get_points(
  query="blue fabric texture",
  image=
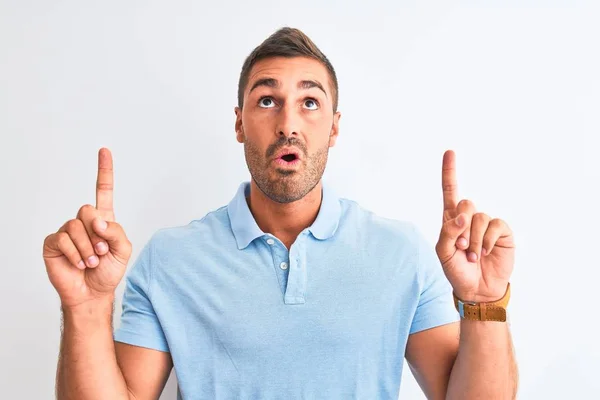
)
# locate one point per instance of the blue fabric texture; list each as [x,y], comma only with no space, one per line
[243,317]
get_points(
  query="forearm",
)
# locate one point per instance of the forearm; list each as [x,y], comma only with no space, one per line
[87,367]
[485,367]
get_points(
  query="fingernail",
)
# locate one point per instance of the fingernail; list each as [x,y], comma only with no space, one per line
[81,265]
[462,242]
[102,225]
[93,261]
[101,247]
[483,251]
[472,256]
[460,220]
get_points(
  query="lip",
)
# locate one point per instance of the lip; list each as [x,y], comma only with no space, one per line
[288,150]
[280,162]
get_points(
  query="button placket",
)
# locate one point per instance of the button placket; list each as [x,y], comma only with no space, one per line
[297,275]
[280,255]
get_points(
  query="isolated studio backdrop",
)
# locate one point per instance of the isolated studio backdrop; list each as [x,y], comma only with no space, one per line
[512,87]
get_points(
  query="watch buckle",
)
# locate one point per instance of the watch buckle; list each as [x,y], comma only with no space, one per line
[461,307]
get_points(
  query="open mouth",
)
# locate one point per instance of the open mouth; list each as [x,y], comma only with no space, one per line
[289,157]
[289,160]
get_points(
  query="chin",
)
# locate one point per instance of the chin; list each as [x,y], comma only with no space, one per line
[288,190]
[283,190]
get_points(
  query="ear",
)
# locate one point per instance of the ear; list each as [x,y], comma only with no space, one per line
[239,128]
[335,129]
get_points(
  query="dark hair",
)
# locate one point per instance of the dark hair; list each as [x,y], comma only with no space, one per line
[286,42]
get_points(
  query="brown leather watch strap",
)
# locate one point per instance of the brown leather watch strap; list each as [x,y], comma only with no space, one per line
[493,311]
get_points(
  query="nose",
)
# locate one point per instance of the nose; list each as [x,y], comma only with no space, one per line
[288,123]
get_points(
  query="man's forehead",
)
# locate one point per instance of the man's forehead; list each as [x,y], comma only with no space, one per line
[284,70]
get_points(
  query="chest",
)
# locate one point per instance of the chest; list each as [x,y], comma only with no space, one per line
[291,306]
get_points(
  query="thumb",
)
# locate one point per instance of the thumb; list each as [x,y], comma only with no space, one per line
[451,230]
[118,243]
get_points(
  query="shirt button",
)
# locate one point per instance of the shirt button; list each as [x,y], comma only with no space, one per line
[283,265]
[271,242]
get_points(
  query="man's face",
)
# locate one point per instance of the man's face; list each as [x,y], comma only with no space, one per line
[287,125]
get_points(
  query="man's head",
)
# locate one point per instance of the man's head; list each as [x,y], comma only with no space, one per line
[287,101]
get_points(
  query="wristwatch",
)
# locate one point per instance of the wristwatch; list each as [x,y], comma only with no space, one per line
[492,311]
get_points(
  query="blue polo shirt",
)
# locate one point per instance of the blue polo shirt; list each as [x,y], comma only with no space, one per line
[244,318]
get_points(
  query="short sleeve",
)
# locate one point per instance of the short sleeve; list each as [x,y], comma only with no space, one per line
[139,325]
[436,304]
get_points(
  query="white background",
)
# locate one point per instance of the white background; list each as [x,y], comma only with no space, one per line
[513,87]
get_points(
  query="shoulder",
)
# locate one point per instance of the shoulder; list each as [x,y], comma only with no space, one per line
[213,226]
[377,227]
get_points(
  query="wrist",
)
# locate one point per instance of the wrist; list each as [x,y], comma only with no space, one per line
[489,297]
[91,312]
[494,310]
[475,299]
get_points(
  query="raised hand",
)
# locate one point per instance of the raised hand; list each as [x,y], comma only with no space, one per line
[87,257]
[476,251]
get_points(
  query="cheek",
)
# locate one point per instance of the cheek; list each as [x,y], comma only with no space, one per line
[314,123]
[323,126]
[259,126]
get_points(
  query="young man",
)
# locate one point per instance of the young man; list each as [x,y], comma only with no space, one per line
[288,292]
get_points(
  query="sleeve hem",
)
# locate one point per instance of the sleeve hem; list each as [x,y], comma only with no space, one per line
[429,323]
[140,340]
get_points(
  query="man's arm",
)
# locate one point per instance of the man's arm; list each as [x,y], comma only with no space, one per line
[485,366]
[464,360]
[430,354]
[92,366]
[477,255]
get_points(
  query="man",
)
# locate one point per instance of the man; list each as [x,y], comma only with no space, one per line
[288,292]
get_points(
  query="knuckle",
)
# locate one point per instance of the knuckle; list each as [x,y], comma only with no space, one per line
[72,225]
[481,217]
[48,239]
[465,203]
[497,222]
[62,239]
[466,206]
[86,209]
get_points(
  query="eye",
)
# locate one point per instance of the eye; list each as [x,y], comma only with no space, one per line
[311,104]
[266,102]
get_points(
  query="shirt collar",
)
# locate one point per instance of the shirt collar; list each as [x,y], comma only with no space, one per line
[245,229]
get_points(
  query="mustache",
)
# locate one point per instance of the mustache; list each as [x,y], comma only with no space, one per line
[285,142]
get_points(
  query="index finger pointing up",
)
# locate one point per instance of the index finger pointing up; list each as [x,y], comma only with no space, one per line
[104,185]
[449,185]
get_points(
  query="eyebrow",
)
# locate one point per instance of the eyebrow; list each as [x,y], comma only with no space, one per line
[274,83]
[311,84]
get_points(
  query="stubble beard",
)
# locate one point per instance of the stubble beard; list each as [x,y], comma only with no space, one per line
[283,185]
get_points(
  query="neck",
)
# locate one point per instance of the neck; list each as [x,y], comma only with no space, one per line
[284,221]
